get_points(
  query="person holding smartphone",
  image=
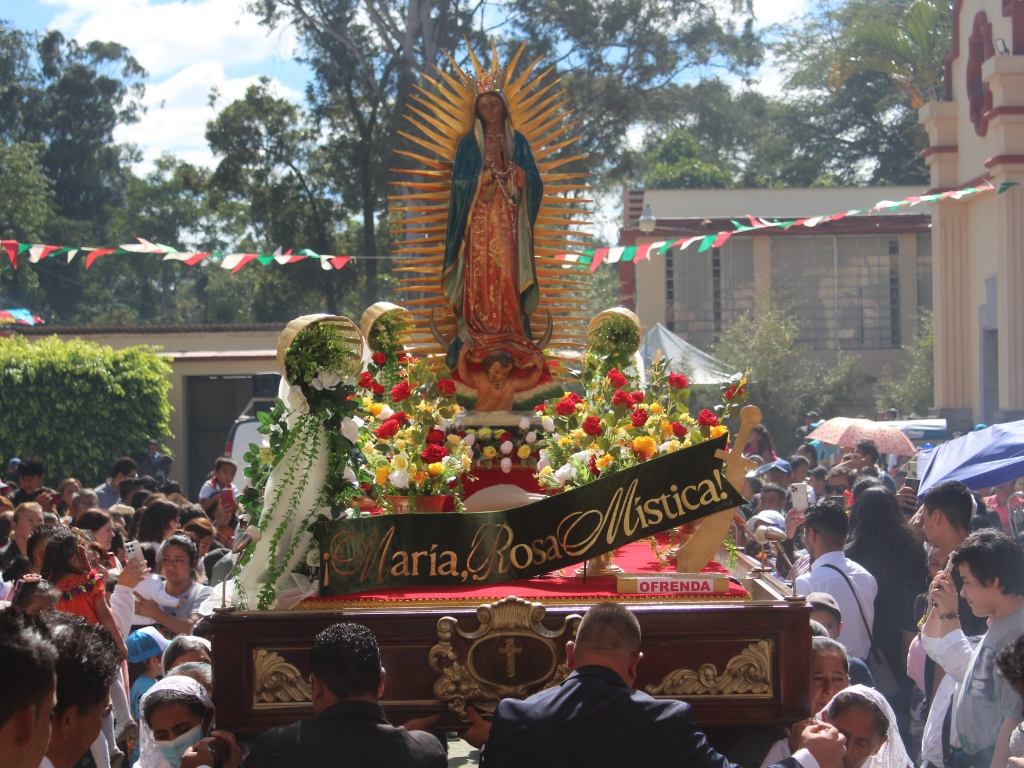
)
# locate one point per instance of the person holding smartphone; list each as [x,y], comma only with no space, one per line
[218,498]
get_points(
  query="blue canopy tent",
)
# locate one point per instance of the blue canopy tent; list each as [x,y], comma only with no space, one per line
[979,459]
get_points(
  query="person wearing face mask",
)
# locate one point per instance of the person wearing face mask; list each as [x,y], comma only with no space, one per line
[178,715]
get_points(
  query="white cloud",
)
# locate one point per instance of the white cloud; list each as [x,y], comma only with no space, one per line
[178,110]
[767,12]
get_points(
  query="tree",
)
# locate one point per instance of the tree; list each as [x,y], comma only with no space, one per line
[785,383]
[912,52]
[272,163]
[913,391]
[675,163]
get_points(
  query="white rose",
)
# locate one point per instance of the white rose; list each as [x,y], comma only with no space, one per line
[399,478]
[297,400]
[524,423]
[350,428]
[507,447]
[506,465]
[445,425]
[543,462]
[548,424]
[327,380]
[565,473]
[531,437]
[350,476]
[468,440]
[313,558]
[385,413]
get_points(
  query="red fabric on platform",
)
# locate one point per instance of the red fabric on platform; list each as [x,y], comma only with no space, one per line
[482,477]
[633,558]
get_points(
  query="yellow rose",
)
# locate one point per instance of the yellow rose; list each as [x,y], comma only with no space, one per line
[719,430]
[454,439]
[375,408]
[367,402]
[524,452]
[380,474]
[435,469]
[369,450]
[400,462]
[400,444]
[419,477]
[603,462]
[666,427]
[565,442]
[656,408]
[674,446]
[490,452]
[645,446]
[546,471]
[467,463]
[484,434]
[578,434]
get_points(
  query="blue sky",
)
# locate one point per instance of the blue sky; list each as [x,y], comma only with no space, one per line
[191,46]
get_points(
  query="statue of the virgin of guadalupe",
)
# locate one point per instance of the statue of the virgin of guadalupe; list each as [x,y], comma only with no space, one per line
[489,277]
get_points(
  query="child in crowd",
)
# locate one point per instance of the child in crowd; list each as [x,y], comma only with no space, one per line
[146,648]
[218,497]
[33,594]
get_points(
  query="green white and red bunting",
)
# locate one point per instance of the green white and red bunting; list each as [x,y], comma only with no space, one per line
[598,256]
[234,261]
[36,252]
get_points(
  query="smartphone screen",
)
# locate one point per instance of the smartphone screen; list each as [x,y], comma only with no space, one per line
[913,482]
[840,500]
[227,498]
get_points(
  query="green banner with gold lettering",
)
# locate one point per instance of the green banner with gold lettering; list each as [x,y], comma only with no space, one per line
[367,553]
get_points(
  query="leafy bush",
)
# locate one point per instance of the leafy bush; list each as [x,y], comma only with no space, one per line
[913,390]
[79,405]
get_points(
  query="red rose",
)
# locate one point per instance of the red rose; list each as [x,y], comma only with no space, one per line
[400,418]
[617,379]
[593,466]
[435,436]
[573,398]
[540,408]
[638,417]
[434,453]
[380,358]
[679,430]
[565,408]
[707,419]
[404,358]
[729,393]
[387,430]
[365,380]
[621,397]
[378,389]
[400,391]
[445,387]
[637,398]
[678,381]
[592,425]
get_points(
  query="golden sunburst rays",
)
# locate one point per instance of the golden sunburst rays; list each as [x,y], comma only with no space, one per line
[440,114]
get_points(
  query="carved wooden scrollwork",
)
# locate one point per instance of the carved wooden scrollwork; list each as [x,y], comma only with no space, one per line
[512,654]
[277,682]
[749,673]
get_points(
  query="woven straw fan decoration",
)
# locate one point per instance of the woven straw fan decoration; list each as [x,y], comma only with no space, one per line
[442,115]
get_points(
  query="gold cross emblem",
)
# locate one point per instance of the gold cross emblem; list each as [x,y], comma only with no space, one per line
[510,651]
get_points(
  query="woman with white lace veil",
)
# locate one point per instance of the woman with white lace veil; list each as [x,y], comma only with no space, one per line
[867,721]
[196,710]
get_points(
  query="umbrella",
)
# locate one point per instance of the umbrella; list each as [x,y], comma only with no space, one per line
[846,432]
[979,459]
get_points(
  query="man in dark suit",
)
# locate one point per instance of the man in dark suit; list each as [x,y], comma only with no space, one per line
[350,728]
[595,718]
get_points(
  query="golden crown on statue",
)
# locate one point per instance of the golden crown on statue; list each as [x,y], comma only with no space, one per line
[486,81]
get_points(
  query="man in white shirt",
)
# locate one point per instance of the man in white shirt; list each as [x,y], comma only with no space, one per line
[854,589]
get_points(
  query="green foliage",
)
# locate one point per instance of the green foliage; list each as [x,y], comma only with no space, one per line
[615,341]
[317,347]
[786,383]
[27,204]
[79,405]
[675,163]
[914,390]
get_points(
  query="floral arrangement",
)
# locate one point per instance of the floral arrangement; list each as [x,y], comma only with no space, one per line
[320,364]
[614,428]
[408,443]
[506,447]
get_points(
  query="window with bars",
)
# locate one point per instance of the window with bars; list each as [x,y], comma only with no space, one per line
[704,292]
[924,271]
[845,290]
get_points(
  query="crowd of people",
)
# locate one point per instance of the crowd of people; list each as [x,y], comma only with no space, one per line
[917,612]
